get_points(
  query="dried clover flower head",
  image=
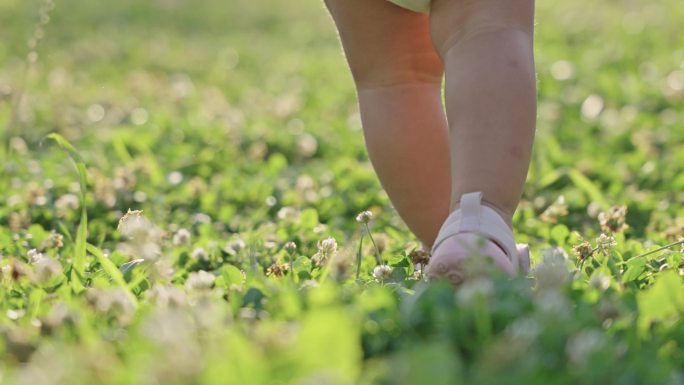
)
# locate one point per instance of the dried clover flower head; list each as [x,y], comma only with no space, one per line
[364,216]
[556,210]
[419,257]
[277,269]
[15,270]
[54,240]
[583,251]
[613,220]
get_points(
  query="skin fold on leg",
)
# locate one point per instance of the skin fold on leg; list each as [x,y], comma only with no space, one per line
[398,77]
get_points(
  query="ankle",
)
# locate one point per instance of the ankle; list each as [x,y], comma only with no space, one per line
[505,214]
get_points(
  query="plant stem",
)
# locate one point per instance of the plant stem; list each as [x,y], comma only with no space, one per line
[358,258]
[681,241]
[292,272]
[377,251]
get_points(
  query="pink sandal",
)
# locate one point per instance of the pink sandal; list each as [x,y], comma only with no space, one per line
[475,230]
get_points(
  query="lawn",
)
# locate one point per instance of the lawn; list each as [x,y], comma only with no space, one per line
[180,182]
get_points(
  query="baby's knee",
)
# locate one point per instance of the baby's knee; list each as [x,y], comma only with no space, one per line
[454,20]
[405,71]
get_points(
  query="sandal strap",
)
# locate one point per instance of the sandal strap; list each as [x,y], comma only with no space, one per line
[473,217]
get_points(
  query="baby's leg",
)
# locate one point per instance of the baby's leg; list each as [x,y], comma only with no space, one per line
[486,46]
[398,78]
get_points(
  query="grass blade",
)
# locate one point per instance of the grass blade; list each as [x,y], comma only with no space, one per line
[585,184]
[78,270]
[110,268]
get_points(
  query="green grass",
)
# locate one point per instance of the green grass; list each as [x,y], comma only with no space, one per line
[233,126]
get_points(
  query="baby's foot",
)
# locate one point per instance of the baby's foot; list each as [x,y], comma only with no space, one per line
[465,255]
[471,237]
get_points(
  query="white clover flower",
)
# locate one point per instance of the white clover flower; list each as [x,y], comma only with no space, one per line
[182,237]
[162,269]
[327,246]
[326,250]
[200,219]
[309,283]
[199,254]
[552,272]
[605,243]
[175,334]
[581,345]
[6,271]
[200,280]
[474,290]
[133,224]
[234,246]
[599,282]
[34,256]
[341,263]
[382,272]
[165,296]
[288,213]
[290,247]
[552,303]
[364,216]
[58,314]
[142,236]
[526,330]
[114,300]
[47,271]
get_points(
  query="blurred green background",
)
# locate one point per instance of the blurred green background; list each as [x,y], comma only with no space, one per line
[203,87]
